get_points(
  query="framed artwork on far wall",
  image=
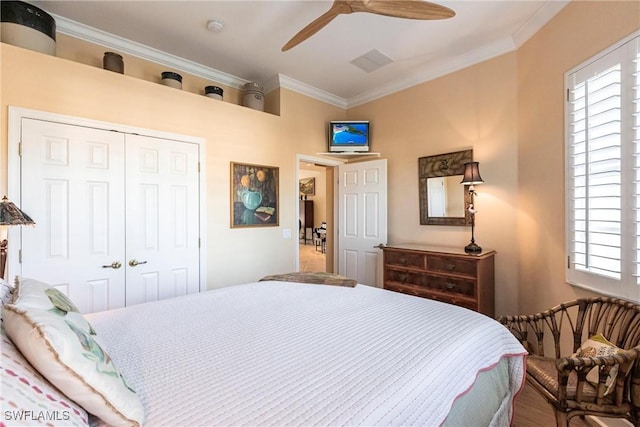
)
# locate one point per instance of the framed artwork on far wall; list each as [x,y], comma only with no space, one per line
[308,186]
[254,195]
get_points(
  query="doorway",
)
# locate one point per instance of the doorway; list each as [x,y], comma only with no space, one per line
[314,254]
[312,217]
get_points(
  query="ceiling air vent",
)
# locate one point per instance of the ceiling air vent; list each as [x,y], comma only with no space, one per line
[371,61]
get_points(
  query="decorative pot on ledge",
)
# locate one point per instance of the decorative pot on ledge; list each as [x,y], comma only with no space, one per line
[253,96]
[27,26]
[214,92]
[113,62]
[169,78]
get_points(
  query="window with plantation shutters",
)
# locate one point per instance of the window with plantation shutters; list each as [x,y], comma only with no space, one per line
[603,171]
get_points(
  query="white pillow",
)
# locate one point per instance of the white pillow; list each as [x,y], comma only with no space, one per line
[6,292]
[35,294]
[61,345]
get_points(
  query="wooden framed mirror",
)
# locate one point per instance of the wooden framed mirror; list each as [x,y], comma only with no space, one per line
[443,200]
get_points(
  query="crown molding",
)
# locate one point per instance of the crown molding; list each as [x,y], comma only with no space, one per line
[432,71]
[84,32]
[547,11]
[311,91]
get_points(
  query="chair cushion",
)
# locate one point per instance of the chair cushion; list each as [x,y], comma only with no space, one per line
[543,371]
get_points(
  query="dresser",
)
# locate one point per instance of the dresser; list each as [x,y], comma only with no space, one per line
[306,221]
[441,273]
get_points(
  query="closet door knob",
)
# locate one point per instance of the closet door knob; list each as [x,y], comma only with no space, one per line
[115,265]
[135,262]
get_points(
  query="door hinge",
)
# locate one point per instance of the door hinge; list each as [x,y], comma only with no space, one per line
[568,95]
[20,256]
[20,149]
[198,167]
[199,242]
[568,262]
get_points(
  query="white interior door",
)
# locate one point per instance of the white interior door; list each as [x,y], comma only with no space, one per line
[72,180]
[117,215]
[362,195]
[162,229]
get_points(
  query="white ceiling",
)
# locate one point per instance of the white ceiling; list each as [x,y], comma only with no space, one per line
[249,47]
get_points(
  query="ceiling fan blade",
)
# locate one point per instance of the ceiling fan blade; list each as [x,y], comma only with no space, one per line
[409,9]
[337,8]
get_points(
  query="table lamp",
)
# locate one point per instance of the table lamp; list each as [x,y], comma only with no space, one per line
[471,177]
[10,214]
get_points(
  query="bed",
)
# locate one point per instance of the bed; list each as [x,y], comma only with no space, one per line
[287,353]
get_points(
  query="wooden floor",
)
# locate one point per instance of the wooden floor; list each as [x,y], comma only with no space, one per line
[533,411]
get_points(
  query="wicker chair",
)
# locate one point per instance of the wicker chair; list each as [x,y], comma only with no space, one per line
[561,378]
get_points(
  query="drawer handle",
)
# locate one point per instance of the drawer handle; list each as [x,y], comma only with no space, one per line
[402,260]
[450,285]
[403,277]
[450,267]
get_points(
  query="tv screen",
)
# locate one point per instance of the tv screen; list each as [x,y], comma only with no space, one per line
[345,136]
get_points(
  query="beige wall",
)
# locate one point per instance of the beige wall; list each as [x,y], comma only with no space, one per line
[473,108]
[232,132]
[579,31]
[508,109]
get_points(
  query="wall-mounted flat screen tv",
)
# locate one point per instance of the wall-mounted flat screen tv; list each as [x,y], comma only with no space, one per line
[349,136]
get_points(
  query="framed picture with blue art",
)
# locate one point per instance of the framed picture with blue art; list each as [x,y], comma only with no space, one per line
[254,195]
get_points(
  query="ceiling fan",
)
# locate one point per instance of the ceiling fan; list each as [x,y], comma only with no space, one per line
[409,9]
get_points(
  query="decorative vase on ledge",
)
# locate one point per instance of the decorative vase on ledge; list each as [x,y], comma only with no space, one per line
[214,92]
[113,62]
[253,96]
[27,26]
[169,78]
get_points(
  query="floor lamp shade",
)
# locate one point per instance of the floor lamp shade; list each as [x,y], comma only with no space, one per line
[10,215]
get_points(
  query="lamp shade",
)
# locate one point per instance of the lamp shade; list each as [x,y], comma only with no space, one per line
[471,174]
[10,214]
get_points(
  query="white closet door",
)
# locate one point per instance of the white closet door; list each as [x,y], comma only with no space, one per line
[72,181]
[162,211]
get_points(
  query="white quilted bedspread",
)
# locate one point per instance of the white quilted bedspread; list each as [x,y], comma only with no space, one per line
[276,353]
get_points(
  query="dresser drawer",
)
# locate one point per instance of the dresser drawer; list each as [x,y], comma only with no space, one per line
[405,259]
[451,285]
[450,265]
[405,276]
